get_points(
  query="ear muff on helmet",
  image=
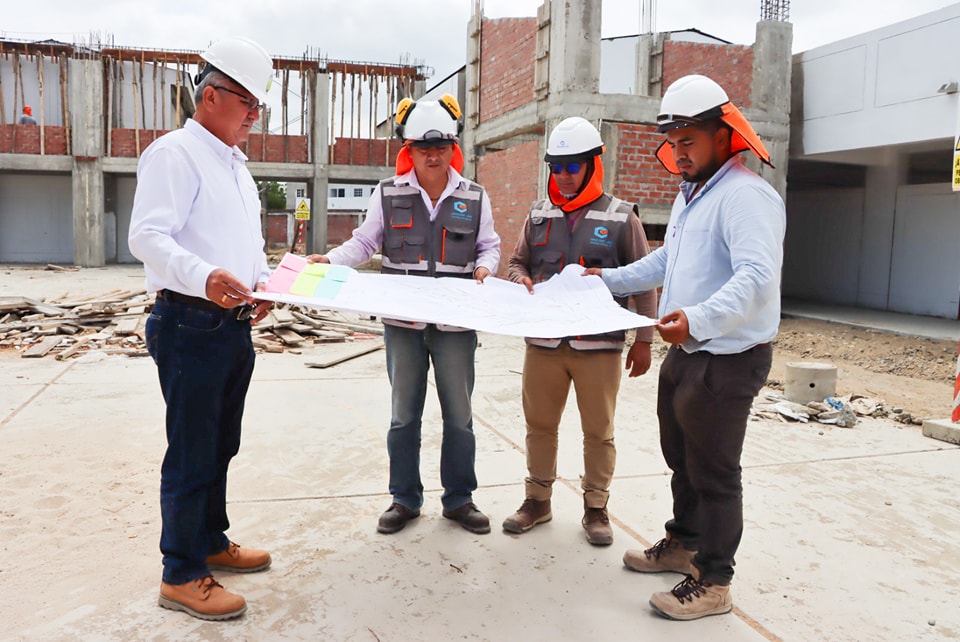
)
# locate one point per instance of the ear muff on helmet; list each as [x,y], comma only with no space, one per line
[403,113]
[452,107]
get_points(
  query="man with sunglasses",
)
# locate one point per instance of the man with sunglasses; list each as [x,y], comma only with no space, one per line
[430,222]
[581,224]
[196,227]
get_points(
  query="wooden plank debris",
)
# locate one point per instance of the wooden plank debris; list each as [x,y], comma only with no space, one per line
[113,322]
[353,355]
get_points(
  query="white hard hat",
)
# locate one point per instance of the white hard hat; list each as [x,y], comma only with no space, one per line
[690,100]
[574,136]
[429,122]
[247,63]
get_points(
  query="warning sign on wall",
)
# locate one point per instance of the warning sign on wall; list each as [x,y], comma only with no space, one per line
[303,209]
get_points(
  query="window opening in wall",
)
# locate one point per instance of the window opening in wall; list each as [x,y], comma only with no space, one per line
[301,192]
[337,192]
[358,191]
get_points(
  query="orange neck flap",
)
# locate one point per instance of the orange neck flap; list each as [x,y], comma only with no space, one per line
[742,139]
[405,162]
[590,192]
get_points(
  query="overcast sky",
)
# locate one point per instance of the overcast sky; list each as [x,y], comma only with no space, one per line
[430,31]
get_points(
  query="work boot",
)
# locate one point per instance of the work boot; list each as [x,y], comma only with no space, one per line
[202,598]
[470,518]
[530,513]
[692,599]
[396,517]
[597,524]
[667,555]
[238,560]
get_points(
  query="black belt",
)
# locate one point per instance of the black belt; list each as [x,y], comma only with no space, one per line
[241,312]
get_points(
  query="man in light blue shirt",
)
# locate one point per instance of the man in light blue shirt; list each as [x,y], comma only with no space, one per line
[720,308]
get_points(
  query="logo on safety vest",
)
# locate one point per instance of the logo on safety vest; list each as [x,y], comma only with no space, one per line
[601,232]
[460,206]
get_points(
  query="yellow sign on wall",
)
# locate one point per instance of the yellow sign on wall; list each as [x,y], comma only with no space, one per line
[303,209]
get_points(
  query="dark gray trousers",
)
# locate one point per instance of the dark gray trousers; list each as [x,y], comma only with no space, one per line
[703,404]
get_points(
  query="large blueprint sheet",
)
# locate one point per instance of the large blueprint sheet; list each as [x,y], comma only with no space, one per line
[568,304]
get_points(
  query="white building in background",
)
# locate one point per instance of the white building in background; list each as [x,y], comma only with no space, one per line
[872,220]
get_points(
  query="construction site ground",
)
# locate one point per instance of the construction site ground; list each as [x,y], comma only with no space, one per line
[850,533]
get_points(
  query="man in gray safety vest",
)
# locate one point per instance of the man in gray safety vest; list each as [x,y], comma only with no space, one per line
[581,224]
[431,222]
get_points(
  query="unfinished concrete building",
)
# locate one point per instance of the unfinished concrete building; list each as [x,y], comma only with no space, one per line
[67,183]
[524,75]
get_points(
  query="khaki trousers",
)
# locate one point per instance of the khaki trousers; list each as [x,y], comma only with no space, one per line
[547,374]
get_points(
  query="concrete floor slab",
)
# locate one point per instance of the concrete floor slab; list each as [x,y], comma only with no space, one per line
[849,534]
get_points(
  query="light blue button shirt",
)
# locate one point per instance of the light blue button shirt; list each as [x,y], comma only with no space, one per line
[720,262]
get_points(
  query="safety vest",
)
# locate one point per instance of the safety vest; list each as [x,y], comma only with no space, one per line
[592,243]
[413,244]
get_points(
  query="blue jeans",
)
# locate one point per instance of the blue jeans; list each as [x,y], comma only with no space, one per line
[204,360]
[409,353]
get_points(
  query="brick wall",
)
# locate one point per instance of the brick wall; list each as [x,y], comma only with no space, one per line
[279,148]
[510,178]
[365,151]
[641,178]
[509,48]
[123,142]
[25,139]
[730,65]
[339,228]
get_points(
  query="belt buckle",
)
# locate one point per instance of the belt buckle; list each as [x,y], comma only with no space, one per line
[245,311]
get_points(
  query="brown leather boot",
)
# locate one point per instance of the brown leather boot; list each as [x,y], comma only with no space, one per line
[692,599]
[202,598]
[239,560]
[530,513]
[597,524]
[666,555]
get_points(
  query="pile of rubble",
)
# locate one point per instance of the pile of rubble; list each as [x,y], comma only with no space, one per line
[837,411]
[113,323]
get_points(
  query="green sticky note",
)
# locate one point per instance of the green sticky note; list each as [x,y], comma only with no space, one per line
[316,269]
[305,285]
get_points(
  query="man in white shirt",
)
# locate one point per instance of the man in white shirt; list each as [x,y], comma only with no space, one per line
[431,222]
[196,227]
[720,308]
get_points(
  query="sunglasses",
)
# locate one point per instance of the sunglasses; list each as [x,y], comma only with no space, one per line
[250,102]
[572,168]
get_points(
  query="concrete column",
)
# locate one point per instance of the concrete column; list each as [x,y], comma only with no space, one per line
[87,129]
[771,89]
[876,242]
[317,186]
[574,46]
[471,95]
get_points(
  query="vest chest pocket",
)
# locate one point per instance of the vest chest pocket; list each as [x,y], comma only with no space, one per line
[540,231]
[459,244]
[407,248]
[401,214]
[546,264]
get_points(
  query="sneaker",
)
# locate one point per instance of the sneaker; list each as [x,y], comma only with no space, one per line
[470,518]
[692,599]
[237,560]
[203,598]
[667,555]
[597,524]
[530,513]
[396,517]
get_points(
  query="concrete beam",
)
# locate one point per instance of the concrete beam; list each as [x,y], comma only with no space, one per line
[35,163]
[630,109]
[523,120]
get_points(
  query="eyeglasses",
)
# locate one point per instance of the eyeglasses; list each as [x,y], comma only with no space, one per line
[572,168]
[250,102]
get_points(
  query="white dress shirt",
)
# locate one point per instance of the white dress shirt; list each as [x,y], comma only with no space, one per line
[196,209]
[720,262]
[368,238]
